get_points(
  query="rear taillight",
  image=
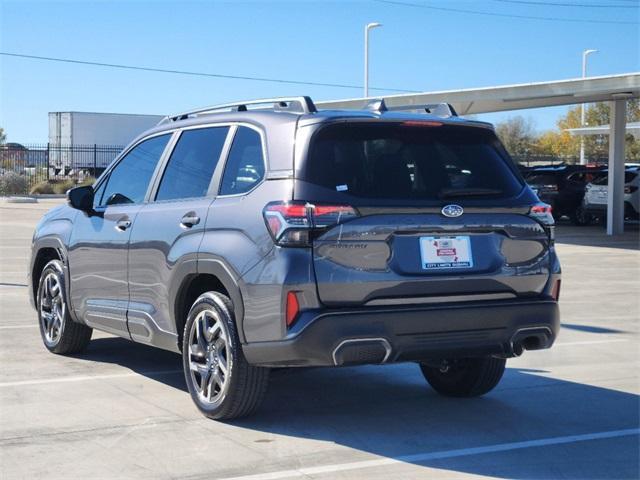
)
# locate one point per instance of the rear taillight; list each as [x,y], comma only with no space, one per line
[292,224]
[542,213]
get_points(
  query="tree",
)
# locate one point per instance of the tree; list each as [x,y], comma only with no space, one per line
[517,134]
[3,136]
[561,143]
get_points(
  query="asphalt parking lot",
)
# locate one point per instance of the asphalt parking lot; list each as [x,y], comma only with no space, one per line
[121,410]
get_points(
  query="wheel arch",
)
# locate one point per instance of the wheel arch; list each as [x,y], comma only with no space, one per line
[211,275]
[44,250]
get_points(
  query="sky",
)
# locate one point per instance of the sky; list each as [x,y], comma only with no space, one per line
[418,48]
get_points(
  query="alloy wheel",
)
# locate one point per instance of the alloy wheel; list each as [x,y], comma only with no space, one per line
[209,358]
[52,309]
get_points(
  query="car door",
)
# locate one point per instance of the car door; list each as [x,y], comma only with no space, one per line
[99,241]
[167,233]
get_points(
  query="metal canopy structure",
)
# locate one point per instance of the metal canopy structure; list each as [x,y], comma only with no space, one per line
[633,128]
[616,89]
[510,97]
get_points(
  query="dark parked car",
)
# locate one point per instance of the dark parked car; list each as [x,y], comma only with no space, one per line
[563,187]
[270,234]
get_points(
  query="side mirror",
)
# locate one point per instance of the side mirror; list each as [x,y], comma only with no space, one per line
[81,198]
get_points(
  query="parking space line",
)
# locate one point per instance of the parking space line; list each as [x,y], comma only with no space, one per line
[590,342]
[83,378]
[423,457]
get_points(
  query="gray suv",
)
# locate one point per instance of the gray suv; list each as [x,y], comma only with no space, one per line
[269,234]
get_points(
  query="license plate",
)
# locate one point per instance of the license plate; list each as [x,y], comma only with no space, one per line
[446,252]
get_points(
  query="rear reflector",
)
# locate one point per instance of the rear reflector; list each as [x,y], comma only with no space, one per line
[293,307]
[555,291]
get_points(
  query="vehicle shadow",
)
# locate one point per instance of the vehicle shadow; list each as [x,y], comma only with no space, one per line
[590,328]
[390,411]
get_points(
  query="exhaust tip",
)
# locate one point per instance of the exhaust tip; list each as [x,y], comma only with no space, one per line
[358,351]
[535,338]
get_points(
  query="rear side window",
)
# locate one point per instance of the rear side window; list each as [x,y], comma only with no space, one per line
[245,164]
[129,180]
[541,179]
[410,162]
[194,158]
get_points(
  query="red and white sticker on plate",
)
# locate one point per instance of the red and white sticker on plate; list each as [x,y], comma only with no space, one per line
[445,252]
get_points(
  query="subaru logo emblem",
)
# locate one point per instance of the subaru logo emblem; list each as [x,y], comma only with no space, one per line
[452,211]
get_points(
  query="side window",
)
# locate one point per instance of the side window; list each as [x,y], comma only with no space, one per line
[245,164]
[192,163]
[128,181]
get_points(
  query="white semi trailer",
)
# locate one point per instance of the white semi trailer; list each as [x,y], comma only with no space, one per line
[80,140]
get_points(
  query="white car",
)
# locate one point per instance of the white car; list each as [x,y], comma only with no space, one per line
[596,195]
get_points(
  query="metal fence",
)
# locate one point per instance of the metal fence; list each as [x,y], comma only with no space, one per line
[56,163]
[533,160]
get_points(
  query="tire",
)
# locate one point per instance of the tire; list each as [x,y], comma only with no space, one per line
[465,377]
[60,334]
[222,384]
[581,217]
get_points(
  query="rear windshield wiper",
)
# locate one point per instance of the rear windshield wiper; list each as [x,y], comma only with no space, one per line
[468,192]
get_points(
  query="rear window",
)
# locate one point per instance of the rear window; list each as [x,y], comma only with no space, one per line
[541,179]
[604,179]
[410,162]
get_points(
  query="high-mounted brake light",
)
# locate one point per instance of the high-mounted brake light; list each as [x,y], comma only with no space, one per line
[291,224]
[421,123]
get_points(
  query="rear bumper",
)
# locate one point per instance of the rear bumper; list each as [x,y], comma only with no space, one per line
[381,335]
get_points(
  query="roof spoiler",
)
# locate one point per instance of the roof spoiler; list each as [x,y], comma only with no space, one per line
[444,110]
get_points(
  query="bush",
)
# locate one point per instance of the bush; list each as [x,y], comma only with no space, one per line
[42,188]
[87,181]
[12,183]
[62,187]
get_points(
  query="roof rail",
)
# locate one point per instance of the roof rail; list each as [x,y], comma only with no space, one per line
[283,104]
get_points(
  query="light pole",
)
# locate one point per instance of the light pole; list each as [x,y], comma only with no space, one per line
[585,54]
[368,27]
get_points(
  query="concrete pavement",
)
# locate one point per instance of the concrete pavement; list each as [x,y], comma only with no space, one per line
[121,410]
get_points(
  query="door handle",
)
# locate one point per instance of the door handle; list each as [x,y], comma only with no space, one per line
[123,224]
[189,220]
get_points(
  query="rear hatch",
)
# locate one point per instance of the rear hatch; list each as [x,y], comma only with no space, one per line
[596,191]
[439,213]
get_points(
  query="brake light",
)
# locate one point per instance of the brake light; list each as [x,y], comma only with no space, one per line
[293,308]
[421,123]
[542,213]
[292,224]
